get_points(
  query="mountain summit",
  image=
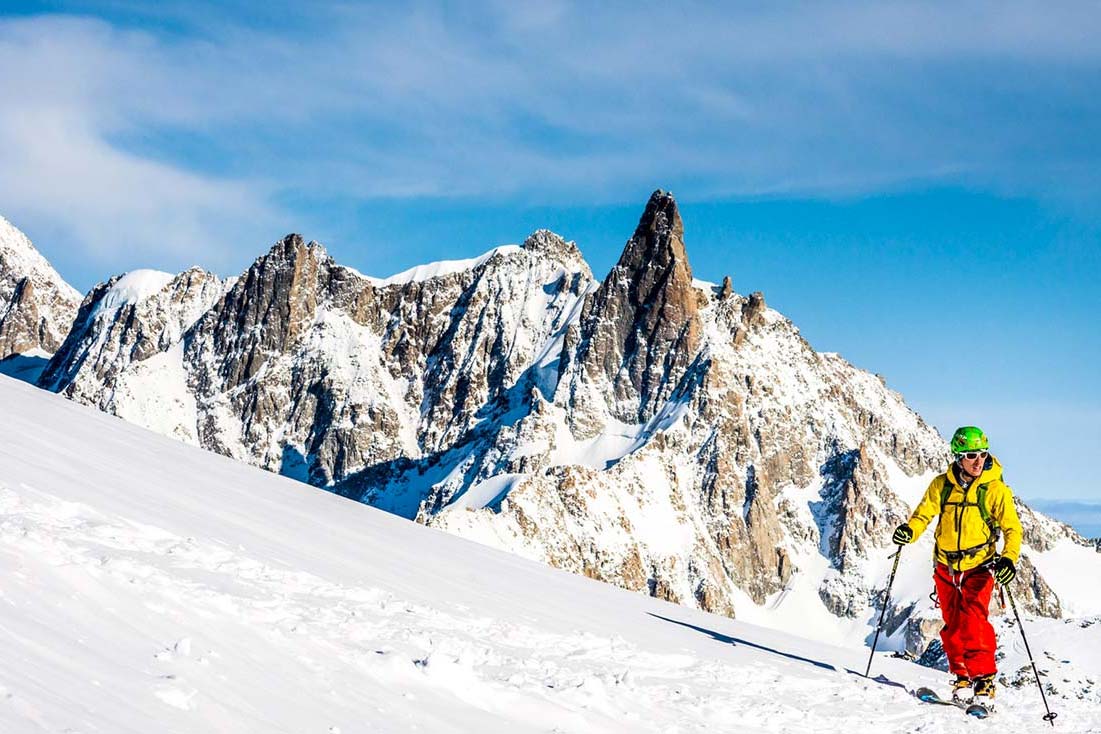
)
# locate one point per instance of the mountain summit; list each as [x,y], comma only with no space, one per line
[641,329]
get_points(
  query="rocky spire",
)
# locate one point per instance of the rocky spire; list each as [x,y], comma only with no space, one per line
[641,329]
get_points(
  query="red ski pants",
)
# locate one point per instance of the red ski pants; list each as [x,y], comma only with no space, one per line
[968,636]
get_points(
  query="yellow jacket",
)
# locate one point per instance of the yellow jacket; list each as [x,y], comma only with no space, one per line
[961,525]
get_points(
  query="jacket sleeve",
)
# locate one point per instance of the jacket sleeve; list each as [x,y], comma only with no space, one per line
[927,509]
[1005,512]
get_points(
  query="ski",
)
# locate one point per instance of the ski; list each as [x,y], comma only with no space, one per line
[978,710]
[928,695]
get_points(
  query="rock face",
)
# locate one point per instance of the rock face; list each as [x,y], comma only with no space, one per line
[36,304]
[640,330]
[667,436]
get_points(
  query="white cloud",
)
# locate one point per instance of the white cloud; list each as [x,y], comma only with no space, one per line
[114,201]
[67,87]
[156,138]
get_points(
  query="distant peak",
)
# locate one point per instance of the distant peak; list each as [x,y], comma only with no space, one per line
[442,268]
[290,250]
[555,248]
[292,243]
[133,287]
[20,258]
[659,237]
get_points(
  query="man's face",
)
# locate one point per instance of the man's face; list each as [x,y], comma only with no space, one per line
[973,461]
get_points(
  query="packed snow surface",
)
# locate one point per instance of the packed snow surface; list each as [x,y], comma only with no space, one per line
[150,586]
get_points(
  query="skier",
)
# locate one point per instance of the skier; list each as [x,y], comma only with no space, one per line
[974,505]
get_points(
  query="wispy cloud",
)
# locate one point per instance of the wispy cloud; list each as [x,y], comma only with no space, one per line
[185,125]
[69,89]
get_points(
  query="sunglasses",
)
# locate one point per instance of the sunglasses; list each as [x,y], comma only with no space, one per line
[972,455]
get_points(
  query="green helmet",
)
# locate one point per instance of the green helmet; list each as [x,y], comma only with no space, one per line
[969,438]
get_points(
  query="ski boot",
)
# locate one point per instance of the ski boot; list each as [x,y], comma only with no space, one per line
[984,692]
[962,691]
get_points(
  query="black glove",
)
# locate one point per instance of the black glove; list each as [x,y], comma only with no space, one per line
[1004,570]
[903,534]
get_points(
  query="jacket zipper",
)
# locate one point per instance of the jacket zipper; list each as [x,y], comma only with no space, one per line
[959,528]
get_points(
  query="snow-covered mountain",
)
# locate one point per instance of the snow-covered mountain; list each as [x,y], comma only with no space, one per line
[665,435]
[150,586]
[123,353]
[37,306]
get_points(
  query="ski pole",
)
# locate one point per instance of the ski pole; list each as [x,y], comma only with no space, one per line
[1050,715]
[886,598]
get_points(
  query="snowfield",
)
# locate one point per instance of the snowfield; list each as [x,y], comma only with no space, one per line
[150,586]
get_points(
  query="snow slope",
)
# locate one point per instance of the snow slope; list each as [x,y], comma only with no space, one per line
[151,586]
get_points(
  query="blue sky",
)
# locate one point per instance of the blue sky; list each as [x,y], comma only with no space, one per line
[916,185]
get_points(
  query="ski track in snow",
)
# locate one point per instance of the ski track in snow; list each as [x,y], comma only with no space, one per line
[112,623]
[345,638]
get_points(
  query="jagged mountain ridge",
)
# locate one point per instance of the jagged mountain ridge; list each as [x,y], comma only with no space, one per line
[344,360]
[37,306]
[646,430]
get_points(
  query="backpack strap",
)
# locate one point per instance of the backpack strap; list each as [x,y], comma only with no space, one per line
[985,512]
[945,490]
[980,502]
